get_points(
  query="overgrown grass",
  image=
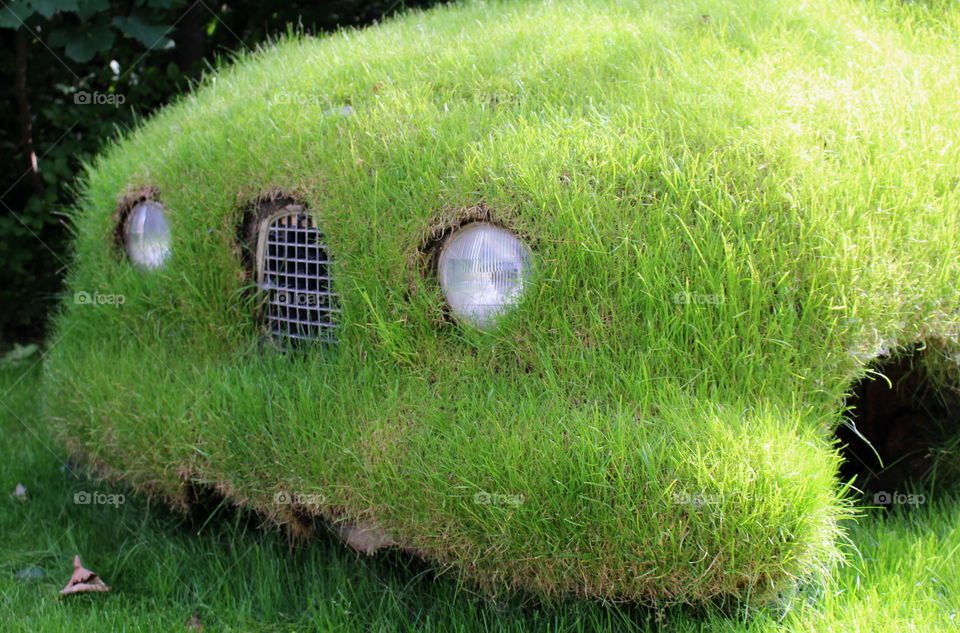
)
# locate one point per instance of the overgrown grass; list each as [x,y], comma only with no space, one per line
[235,576]
[734,207]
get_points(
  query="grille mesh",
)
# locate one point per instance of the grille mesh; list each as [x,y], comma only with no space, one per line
[295,272]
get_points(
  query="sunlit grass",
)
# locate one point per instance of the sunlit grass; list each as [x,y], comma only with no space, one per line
[734,207]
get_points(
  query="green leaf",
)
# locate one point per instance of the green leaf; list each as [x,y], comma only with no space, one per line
[88,8]
[150,35]
[162,4]
[14,14]
[82,43]
[47,8]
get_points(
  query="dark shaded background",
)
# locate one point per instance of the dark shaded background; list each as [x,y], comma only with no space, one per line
[66,66]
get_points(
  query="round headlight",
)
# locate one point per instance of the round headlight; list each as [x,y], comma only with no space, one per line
[147,235]
[483,270]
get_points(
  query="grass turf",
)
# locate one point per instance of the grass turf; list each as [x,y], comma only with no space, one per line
[735,207]
[236,577]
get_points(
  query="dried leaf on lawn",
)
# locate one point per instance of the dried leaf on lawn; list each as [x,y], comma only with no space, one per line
[83,580]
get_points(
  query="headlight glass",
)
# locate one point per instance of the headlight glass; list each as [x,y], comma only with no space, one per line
[483,270]
[147,235]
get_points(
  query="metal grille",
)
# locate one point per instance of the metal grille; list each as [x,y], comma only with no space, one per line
[295,273]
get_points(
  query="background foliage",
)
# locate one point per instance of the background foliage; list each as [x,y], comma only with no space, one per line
[78,72]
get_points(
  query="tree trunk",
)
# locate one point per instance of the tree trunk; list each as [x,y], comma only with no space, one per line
[190,39]
[26,116]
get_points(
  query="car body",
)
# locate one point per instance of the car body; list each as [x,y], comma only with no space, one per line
[717,237]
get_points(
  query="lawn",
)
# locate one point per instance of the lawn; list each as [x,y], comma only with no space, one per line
[234,575]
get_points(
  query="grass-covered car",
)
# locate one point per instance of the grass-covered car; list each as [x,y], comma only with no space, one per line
[565,296]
